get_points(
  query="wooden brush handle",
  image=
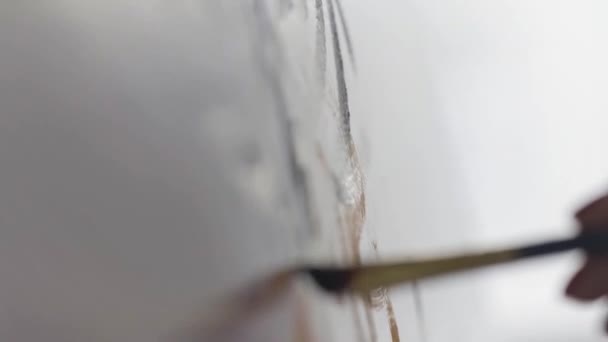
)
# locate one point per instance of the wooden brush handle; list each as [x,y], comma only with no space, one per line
[366,278]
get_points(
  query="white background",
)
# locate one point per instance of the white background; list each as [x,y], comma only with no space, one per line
[479,123]
[517,93]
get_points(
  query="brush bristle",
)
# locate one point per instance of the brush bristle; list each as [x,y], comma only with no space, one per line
[331,280]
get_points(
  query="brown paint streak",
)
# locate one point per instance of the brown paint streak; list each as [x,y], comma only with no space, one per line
[339,217]
[380,299]
[348,248]
[353,214]
[353,210]
[390,312]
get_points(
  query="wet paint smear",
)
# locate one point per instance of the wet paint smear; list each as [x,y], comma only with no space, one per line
[226,318]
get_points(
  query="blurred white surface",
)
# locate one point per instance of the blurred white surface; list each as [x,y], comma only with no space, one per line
[522,89]
[479,124]
[507,100]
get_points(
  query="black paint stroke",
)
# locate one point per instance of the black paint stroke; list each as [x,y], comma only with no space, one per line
[268,64]
[321,46]
[346,31]
[340,77]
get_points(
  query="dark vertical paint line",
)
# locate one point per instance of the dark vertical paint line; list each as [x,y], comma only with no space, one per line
[419,310]
[321,48]
[347,38]
[340,77]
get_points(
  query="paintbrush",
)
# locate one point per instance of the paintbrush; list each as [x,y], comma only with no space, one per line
[365,278]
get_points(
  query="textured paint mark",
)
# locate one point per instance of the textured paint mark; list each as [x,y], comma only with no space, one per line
[321,45]
[355,219]
[347,38]
[378,298]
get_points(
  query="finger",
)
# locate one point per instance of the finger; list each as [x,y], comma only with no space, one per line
[594,215]
[591,281]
